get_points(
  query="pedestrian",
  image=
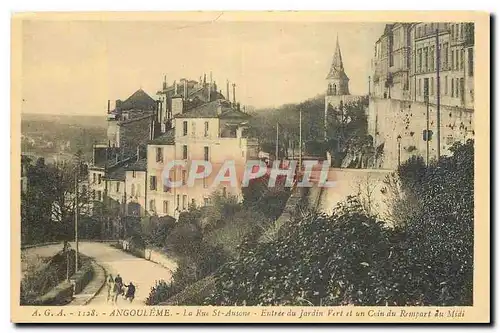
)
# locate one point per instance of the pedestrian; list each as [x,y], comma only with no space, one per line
[119,283]
[130,295]
[110,284]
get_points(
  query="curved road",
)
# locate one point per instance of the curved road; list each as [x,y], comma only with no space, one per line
[141,272]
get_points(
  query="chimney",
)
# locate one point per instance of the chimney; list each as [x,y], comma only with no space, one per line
[204,79]
[109,105]
[234,93]
[227,90]
[185,89]
[164,82]
[175,87]
[219,108]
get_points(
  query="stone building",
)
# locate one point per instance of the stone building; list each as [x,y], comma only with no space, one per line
[337,92]
[407,89]
[194,122]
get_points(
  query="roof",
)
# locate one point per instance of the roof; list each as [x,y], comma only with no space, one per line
[337,68]
[116,173]
[138,100]
[166,139]
[140,165]
[209,110]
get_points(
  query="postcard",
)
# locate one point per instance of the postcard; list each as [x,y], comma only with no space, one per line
[250,167]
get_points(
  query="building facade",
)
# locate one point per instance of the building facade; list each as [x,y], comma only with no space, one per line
[417,67]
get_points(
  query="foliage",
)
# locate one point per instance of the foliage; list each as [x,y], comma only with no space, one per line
[351,258]
[48,205]
[347,129]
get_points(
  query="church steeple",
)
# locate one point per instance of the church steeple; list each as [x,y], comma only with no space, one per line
[338,82]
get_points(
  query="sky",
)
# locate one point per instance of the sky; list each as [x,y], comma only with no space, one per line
[74,67]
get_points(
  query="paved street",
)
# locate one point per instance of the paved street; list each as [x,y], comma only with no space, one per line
[141,272]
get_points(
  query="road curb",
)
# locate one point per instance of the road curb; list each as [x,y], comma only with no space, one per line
[100,288]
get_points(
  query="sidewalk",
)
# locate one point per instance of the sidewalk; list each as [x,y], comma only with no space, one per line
[92,288]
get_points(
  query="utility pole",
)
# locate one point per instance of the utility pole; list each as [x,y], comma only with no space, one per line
[300,140]
[76,215]
[277,138]
[438,113]
[427,131]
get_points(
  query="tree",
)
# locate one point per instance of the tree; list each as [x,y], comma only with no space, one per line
[349,257]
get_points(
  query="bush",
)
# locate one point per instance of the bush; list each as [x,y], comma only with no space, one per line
[351,258]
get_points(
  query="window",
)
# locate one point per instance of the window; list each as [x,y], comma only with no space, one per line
[446,85]
[184,128]
[431,55]
[453,59]
[152,206]
[432,86]
[470,63]
[94,177]
[133,190]
[165,206]
[93,194]
[117,187]
[193,202]
[133,174]
[184,177]
[99,195]
[205,201]
[185,152]
[452,87]
[206,128]
[205,151]
[419,60]
[426,59]
[152,183]
[184,201]
[446,55]
[462,87]
[420,87]
[462,56]
[159,154]
[178,201]
[391,53]
[99,179]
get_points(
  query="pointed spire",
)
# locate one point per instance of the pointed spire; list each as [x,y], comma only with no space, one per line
[337,67]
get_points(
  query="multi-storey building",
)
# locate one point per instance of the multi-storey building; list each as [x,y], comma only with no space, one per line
[212,132]
[184,125]
[417,67]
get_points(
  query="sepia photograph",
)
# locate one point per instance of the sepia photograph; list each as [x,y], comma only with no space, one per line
[250,168]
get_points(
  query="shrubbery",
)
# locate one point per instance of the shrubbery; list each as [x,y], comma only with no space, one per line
[352,258]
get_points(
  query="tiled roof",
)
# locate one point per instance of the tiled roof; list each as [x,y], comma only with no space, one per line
[117,173]
[209,110]
[140,165]
[138,100]
[166,139]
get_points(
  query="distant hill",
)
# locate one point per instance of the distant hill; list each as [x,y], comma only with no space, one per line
[81,120]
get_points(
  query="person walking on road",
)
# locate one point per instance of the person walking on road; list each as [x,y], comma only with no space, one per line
[110,284]
[130,294]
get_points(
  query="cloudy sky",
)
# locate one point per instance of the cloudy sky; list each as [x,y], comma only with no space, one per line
[74,67]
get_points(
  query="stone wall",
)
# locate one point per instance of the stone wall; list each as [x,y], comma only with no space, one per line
[388,118]
[367,184]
